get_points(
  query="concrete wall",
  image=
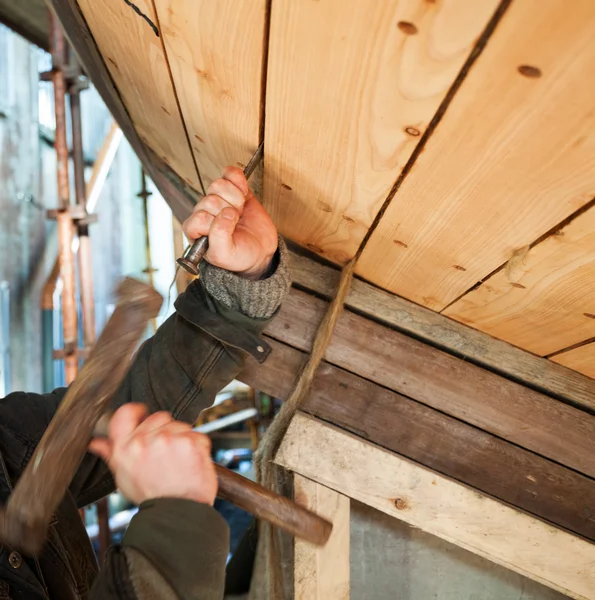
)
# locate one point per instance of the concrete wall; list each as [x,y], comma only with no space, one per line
[392,561]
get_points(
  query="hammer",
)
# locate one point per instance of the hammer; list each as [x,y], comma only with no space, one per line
[192,258]
[25,519]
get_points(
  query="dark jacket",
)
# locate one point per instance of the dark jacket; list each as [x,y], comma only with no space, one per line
[173,548]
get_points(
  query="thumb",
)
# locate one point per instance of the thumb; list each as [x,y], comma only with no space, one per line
[221,244]
[102,447]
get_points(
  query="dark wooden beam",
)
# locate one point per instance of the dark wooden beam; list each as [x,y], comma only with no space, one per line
[28,18]
[450,384]
[180,197]
[437,330]
[442,443]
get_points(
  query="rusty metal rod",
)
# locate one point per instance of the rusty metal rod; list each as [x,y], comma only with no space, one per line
[39,491]
[64,220]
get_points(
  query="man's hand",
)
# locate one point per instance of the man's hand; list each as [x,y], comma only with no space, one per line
[242,236]
[157,457]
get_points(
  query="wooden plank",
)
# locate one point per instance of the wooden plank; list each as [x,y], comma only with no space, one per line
[439,506]
[456,338]
[490,183]
[435,440]
[215,51]
[128,37]
[546,289]
[177,193]
[581,359]
[447,383]
[346,109]
[321,573]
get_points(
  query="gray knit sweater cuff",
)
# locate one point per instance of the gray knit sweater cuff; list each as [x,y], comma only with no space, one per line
[256,299]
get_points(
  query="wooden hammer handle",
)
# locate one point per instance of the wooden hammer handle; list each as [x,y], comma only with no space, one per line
[39,491]
[260,502]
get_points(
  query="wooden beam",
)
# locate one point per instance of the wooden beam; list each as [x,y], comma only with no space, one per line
[346,109]
[28,18]
[582,359]
[218,76]
[485,187]
[322,573]
[177,193]
[435,440]
[447,383]
[456,338]
[439,506]
[542,300]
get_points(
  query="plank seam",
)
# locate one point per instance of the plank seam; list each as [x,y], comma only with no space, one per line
[573,347]
[542,238]
[175,92]
[479,47]
[265,66]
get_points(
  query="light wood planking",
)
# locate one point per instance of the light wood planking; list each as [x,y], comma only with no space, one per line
[543,299]
[456,338]
[215,51]
[350,91]
[133,52]
[581,359]
[512,157]
[447,383]
[322,572]
[439,506]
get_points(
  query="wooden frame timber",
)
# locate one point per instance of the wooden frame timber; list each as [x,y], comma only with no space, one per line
[437,505]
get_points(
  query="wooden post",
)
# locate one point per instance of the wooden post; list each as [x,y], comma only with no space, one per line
[322,572]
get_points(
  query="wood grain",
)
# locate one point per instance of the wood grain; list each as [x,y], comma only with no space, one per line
[322,573]
[349,94]
[542,301]
[439,506]
[456,338]
[581,359]
[215,51]
[513,156]
[435,440]
[129,40]
[447,383]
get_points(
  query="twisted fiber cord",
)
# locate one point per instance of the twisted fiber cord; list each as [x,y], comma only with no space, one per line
[271,475]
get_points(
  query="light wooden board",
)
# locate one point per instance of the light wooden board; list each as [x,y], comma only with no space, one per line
[439,506]
[581,359]
[350,91]
[133,53]
[467,454]
[322,572]
[544,299]
[456,338]
[447,383]
[512,157]
[215,51]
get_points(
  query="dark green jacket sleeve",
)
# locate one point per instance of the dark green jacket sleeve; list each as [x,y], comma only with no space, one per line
[193,355]
[174,549]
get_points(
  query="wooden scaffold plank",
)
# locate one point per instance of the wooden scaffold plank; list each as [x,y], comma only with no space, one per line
[439,506]
[581,359]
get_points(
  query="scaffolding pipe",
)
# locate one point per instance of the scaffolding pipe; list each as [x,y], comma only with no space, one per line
[85,265]
[63,216]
